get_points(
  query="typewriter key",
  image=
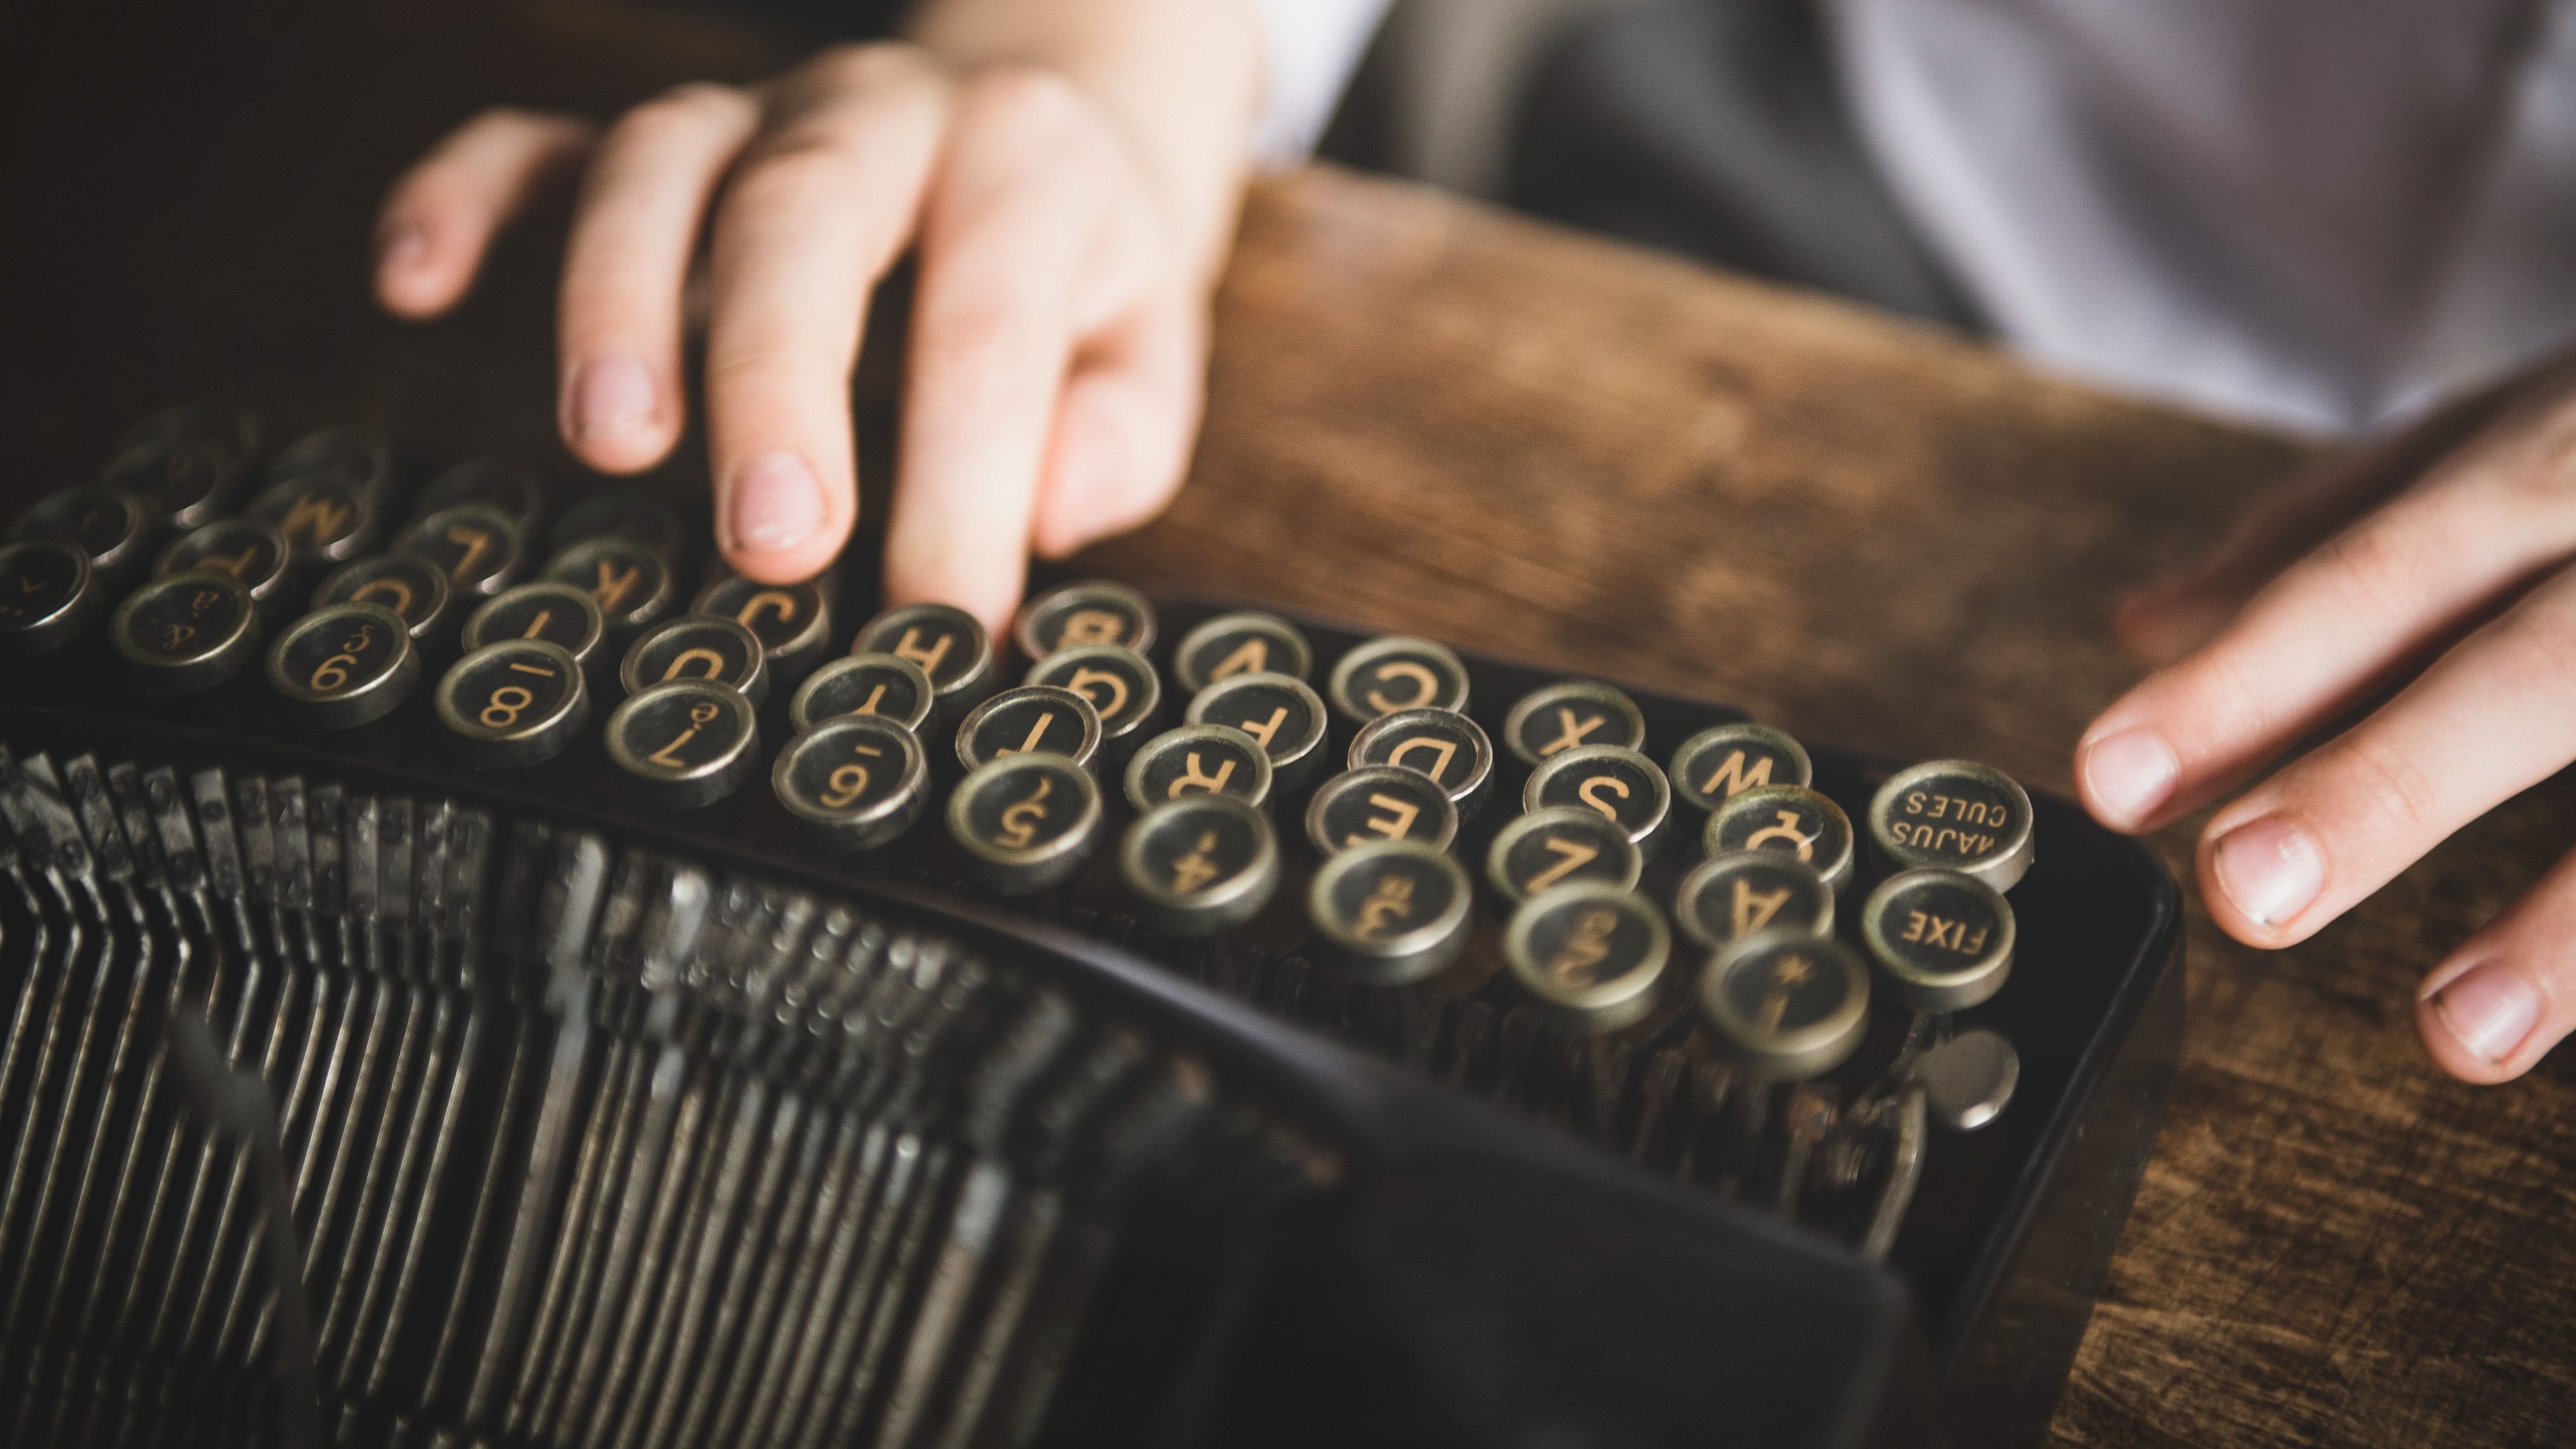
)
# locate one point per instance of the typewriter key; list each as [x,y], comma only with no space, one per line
[351,458]
[946,642]
[514,702]
[1785,1004]
[1623,785]
[1120,683]
[185,632]
[186,464]
[695,646]
[346,664]
[254,553]
[854,781]
[1954,814]
[1591,954]
[1942,941]
[1728,897]
[1555,718]
[1194,759]
[1446,746]
[1969,1079]
[1717,764]
[1031,719]
[1280,712]
[1200,864]
[1361,807]
[883,685]
[563,615]
[323,520]
[47,596]
[630,581]
[107,522]
[793,622]
[477,547]
[1562,845]
[685,743]
[1393,672]
[513,491]
[412,587]
[1245,643]
[1788,818]
[1093,611]
[1392,912]
[1025,822]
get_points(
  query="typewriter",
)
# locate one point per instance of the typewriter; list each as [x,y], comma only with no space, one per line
[477,973]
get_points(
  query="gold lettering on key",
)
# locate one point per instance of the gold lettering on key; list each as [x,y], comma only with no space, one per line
[1610,783]
[1037,732]
[615,584]
[1944,935]
[700,715]
[476,543]
[1394,825]
[1193,871]
[1252,656]
[1568,733]
[1754,909]
[1439,767]
[1787,830]
[925,655]
[315,519]
[874,695]
[537,625]
[1389,903]
[848,782]
[1573,855]
[1195,778]
[1105,688]
[1787,976]
[1577,961]
[1426,685]
[712,661]
[1020,821]
[768,601]
[1735,777]
[234,564]
[393,590]
[1091,626]
[1262,730]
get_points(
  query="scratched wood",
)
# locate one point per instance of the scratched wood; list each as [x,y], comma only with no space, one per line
[1430,416]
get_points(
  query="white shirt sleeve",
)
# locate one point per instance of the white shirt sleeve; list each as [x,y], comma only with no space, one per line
[1309,49]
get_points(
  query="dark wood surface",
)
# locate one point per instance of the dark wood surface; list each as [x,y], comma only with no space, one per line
[1430,416]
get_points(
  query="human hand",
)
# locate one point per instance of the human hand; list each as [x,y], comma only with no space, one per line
[2454,545]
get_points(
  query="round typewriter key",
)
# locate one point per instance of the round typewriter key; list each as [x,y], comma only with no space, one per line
[1394,672]
[629,581]
[695,646]
[1093,611]
[626,512]
[107,522]
[185,632]
[1361,807]
[946,642]
[1955,814]
[478,548]
[1392,912]
[186,464]
[509,489]
[563,615]
[1717,764]
[1590,954]
[1788,818]
[1728,897]
[883,685]
[1555,718]
[1032,719]
[1443,744]
[1621,784]
[345,665]
[1194,759]
[411,587]
[856,781]
[1969,1079]
[685,743]
[254,553]
[1025,822]
[47,596]
[1120,683]
[1200,864]
[793,622]
[1280,712]
[323,520]
[1245,643]
[350,458]
[1560,846]
[514,702]
[1786,1004]
[1942,941]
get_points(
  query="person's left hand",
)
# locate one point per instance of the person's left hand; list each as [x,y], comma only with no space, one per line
[2323,598]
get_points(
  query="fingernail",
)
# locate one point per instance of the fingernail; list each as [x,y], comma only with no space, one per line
[403,249]
[2128,774]
[609,396]
[2490,1008]
[776,503]
[2269,868]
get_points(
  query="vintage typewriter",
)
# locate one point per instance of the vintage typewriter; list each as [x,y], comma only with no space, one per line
[478,973]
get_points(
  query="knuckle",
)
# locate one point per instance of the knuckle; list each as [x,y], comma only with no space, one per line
[791,170]
[2384,567]
[677,112]
[865,65]
[1024,103]
[981,334]
[2389,787]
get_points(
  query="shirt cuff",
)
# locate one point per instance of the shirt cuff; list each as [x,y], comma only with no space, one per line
[1309,49]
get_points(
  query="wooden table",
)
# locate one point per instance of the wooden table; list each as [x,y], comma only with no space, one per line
[1428,415]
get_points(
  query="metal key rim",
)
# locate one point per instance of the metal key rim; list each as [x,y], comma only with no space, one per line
[1604,1006]
[1971,984]
[1809,1051]
[880,822]
[1320,804]
[1419,947]
[2002,868]
[379,696]
[1219,906]
[1497,855]
[1612,698]
[800,706]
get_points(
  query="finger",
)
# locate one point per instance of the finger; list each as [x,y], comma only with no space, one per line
[819,209]
[2494,716]
[2331,627]
[1016,240]
[618,323]
[1123,430]
[2508,994]
[440,217]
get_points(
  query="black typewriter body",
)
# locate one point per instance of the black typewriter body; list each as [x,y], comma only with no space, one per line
[609,1122]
